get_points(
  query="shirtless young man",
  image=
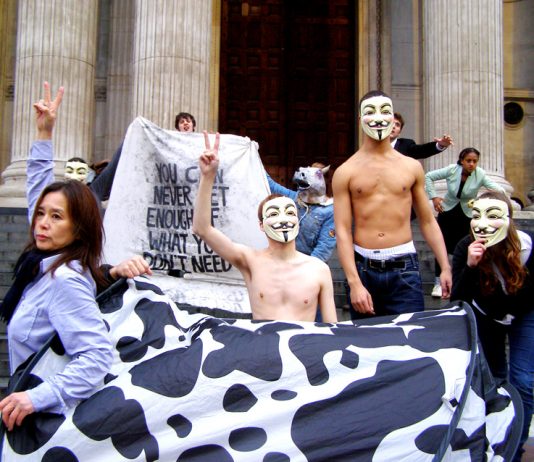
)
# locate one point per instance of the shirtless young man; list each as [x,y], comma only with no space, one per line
[282,284]
[377,187]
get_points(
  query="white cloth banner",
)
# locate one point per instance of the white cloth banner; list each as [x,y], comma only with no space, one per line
[190,388]
[150,212]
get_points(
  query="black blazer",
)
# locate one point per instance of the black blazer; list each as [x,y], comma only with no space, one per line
[408,147]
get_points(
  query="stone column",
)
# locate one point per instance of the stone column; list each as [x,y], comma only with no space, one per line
[119,79]
[56,41]
[463,80]
[8,32]
[171,65]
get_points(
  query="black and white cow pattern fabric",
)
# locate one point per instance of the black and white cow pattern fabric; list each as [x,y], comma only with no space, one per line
[197,388]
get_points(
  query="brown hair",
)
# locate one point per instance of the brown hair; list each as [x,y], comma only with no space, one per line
[398,116]
[186,116]
[267,199]
[506,255]
[371,94]
[77,159]
[87,228]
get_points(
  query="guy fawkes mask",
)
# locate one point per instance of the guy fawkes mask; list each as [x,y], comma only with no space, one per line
[280,219]
[490,220]
[376,116]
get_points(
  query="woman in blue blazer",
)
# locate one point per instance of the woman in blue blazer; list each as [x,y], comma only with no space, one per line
[464,180]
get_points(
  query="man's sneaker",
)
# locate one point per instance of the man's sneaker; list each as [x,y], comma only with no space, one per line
[436,291]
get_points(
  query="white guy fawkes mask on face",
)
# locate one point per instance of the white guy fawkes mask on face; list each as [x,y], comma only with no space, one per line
[376,117]
[76,171]
[280,219]
[490,221]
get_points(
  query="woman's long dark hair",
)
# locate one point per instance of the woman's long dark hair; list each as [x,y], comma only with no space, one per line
[506,255]
[87,228]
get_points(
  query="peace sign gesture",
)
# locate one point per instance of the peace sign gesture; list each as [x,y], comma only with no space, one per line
[46,112]
[209,160]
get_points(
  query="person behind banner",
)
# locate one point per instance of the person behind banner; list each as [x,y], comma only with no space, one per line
[493,270]
[55,286]
[102,184]
[282,283]
[76,168]
[376,188]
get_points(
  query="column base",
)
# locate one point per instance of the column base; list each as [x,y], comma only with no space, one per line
[13,202]
[13,191]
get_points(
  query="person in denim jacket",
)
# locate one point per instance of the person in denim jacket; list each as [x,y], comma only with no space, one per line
[317,236]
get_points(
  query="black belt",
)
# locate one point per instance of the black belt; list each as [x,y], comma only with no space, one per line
[384,265]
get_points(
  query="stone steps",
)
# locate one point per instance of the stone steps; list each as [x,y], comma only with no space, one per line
[13,237]
[4,365]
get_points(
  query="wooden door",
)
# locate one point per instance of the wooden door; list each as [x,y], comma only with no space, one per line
[288,80]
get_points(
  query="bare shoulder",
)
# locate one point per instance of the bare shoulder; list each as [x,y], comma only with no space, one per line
[315,264]
[410,164]
[418,169]
[410,161]
[346,166]
[346,170]
[246,256]
[253,254]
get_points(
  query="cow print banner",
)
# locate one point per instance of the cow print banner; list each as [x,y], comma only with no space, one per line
[197,388]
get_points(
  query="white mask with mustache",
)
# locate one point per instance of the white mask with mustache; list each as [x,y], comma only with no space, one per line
[75,170]
[376,117]
[490,221]
[280,219]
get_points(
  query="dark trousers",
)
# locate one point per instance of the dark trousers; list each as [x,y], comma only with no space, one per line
[395,285]
[454,225]
[520,367]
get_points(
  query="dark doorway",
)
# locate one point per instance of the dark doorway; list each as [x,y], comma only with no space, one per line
[288,80]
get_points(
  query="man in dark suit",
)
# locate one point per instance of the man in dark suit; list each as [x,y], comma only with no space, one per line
[408,147]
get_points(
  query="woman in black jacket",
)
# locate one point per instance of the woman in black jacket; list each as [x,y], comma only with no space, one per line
[493,270]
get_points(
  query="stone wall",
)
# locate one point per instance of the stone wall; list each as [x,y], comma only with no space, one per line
[13,237]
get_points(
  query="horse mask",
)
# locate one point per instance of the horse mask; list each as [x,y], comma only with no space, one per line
[311,184]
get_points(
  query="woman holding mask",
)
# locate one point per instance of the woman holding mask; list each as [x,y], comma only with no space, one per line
[493,270]
[55,284]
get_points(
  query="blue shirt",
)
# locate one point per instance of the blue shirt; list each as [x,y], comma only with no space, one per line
[316,235]
[63,303]
[39,171]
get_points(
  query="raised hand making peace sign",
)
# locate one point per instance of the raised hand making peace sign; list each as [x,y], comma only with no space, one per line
[209,159]
[46,112]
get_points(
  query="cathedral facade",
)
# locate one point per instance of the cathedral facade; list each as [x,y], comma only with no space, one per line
[286,73]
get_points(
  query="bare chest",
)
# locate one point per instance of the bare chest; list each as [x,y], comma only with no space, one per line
[288,287]
[384,181]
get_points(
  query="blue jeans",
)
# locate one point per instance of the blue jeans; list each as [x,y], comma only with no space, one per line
[520,368]
[393,290]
